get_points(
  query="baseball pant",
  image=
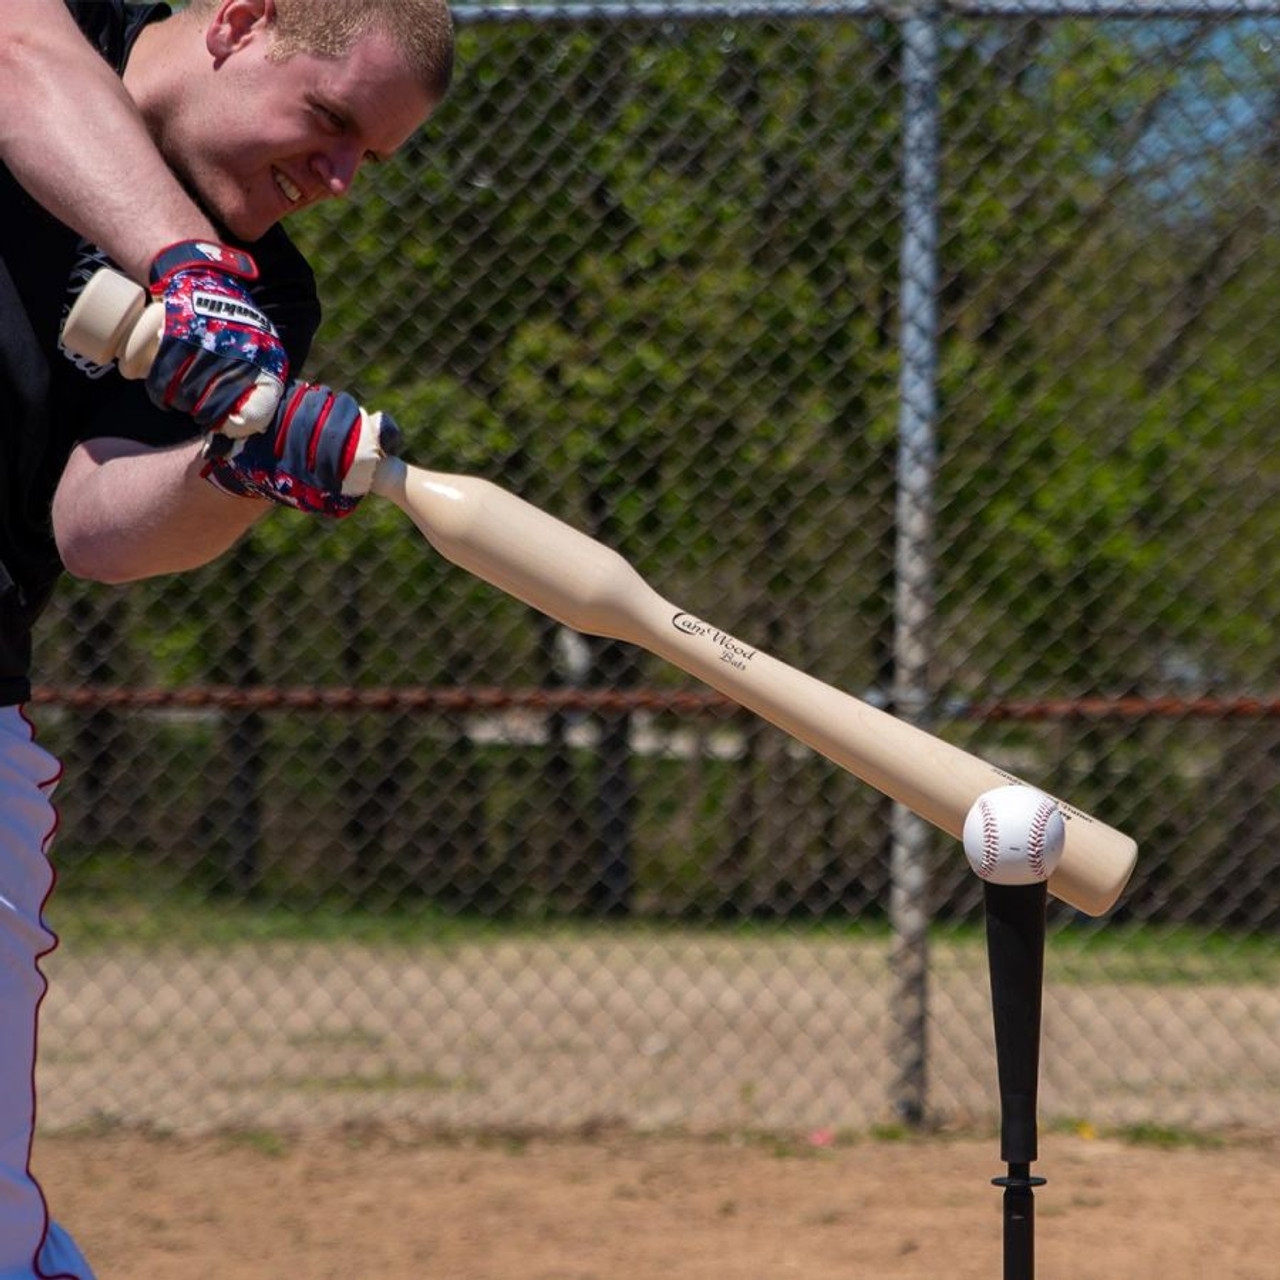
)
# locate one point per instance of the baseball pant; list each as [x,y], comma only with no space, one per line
[32,1246]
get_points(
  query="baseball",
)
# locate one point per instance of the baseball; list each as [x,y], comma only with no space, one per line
[1014,835]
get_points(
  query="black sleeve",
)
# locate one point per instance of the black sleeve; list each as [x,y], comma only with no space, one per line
[111,26]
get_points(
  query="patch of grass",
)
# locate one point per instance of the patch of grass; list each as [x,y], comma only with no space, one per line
[111,899]
[1162,955]
[349,1038]
[102,1124]
[892,1133]
[1091,953]
[389,1081]
[107,902]
[1070,1126]
[98,1125]
[783,1148]
[1165,1138]
[263,1142]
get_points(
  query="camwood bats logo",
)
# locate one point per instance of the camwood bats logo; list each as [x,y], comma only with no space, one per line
[1068,811]
[732,651]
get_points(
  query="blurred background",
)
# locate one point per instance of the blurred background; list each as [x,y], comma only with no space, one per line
[925,347]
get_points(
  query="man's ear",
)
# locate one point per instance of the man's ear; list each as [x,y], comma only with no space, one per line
[235,23]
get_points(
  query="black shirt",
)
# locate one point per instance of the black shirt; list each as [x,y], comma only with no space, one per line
[49,401]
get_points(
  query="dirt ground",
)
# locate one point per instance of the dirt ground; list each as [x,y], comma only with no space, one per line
[613,1206]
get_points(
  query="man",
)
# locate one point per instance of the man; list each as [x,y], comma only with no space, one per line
[170,145]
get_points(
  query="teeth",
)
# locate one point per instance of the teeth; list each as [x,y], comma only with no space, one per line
[292,193]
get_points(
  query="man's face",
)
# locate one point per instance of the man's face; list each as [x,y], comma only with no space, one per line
[263,139]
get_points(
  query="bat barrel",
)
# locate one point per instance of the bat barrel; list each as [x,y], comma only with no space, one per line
[929,776]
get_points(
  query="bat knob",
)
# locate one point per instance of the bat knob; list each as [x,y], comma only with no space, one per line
[99,325]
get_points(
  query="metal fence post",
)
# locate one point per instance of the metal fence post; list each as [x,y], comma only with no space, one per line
[913,558]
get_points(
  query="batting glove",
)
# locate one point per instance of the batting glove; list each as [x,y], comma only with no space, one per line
[318,456]
[220,359]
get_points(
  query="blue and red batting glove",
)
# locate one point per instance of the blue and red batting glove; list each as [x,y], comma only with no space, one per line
[220,358]
[318,456]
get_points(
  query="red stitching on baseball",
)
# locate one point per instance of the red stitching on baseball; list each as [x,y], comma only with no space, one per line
[1036,837]
[990,840]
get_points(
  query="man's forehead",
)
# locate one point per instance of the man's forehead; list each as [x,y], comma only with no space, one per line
[378,89]
[373,61]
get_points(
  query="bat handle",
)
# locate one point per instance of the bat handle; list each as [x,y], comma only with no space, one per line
[112,320]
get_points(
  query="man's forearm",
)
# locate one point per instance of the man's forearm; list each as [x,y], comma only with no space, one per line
[71,135]
[124,511]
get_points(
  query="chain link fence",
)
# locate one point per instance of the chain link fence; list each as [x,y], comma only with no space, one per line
[348,835]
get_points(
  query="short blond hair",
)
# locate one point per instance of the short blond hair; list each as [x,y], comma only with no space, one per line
[422,30]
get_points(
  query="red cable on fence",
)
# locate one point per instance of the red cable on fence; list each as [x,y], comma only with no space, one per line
[1129,708]
[680,702]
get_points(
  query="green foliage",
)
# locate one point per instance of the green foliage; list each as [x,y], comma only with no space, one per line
[647,276]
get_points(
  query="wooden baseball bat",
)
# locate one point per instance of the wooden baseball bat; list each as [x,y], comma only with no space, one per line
[560,571]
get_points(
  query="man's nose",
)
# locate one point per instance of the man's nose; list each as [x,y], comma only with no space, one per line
[337,168]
